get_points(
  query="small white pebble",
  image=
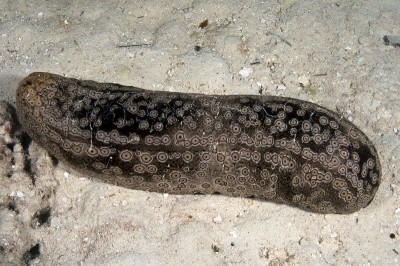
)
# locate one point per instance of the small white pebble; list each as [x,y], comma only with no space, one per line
[66,174]
[281,87]
[66,22]
[245,72]
[86,239]
[395,130]
[304,80]
[233,234]
[166,195]
[397,210]
[348,111]
[131,55]
[12,194]
[217,219]
[20,194]
[40,14]
[350,118]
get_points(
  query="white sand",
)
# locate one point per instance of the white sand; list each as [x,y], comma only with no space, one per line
[336,46]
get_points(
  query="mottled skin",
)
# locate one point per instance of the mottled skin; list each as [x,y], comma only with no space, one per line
[272,148]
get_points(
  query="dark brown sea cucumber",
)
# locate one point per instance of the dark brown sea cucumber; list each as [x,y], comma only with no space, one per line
[271,148]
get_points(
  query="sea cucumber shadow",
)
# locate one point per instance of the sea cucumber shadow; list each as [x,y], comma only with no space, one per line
[8,87]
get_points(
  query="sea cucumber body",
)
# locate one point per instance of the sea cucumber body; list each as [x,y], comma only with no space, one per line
[272,148]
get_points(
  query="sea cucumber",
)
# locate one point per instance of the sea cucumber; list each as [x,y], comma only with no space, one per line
[270,148]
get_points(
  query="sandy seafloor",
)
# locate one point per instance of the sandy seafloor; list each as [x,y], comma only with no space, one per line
[337,47]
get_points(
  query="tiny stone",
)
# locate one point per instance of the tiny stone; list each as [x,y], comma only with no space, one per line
[170,72]
[350,118]
[233,234]
[281,87]
[304,81]
[20,194]
[40,14]
[392,40]
[217,219]
[245,72]
[397,210]
[66,174]
[215,248]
